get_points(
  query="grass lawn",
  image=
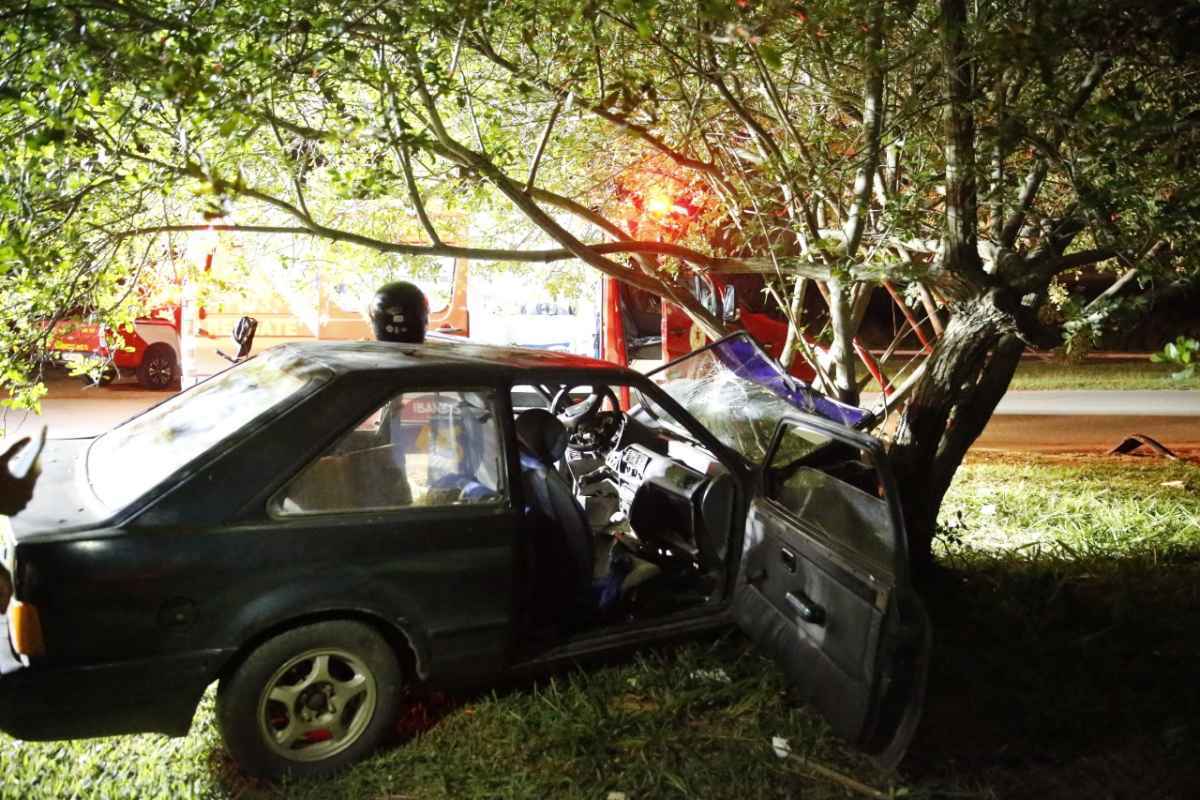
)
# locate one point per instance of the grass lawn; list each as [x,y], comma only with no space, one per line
[1066,644]
[1037,375]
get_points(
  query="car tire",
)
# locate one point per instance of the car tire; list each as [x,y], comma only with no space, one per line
[159,368]
[310,701]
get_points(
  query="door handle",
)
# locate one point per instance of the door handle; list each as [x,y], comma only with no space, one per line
[809,611]
[788,558]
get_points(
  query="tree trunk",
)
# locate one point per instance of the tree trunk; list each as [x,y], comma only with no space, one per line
[969,371]
[841,350]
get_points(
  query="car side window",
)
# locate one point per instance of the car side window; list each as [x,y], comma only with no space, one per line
[525,396]
[834,488]
[422,448]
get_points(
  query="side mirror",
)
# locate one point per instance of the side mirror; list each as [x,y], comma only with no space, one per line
[243,336]
[728,304]
[702,292]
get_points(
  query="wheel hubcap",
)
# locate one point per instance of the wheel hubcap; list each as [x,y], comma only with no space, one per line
[317,704]
[160,370]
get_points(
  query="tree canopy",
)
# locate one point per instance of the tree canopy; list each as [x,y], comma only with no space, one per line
[979,153]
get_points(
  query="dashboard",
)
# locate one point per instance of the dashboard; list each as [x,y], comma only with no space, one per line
[678,499]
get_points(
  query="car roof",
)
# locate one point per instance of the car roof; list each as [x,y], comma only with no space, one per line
[445,352]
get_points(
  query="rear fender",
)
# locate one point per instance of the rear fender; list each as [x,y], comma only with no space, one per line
[344,598]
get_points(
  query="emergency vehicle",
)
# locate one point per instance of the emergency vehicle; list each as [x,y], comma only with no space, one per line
[148,348]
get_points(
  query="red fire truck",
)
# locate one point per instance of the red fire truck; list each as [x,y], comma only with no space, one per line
[640,329]
[148,347]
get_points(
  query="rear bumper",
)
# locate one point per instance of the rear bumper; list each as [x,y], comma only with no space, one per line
[39,703]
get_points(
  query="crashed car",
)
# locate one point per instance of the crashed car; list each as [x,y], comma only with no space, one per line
[326,524]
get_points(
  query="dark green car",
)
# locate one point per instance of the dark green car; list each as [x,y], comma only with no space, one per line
[325,524]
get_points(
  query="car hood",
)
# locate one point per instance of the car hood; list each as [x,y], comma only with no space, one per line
[61,498]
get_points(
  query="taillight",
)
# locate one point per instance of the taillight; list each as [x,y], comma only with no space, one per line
[26,629]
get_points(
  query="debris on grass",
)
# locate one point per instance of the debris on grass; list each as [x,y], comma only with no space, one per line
[783,749]
[711,676]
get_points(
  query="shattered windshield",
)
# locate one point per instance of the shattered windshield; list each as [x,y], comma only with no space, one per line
[739,393]
[140,453]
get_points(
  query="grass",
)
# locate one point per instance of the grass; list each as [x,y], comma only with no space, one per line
[1093,375]
[1098,375]
[1066,627]
[1064,666]
[693,721]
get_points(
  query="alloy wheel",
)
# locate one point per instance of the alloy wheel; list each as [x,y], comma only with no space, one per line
[317,704]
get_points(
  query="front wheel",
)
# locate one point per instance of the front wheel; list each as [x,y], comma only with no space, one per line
[310,701]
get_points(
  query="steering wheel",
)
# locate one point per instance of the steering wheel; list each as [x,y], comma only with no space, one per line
[585,432]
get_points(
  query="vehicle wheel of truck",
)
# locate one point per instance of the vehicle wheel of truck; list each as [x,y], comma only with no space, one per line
[159,368]
[310,701]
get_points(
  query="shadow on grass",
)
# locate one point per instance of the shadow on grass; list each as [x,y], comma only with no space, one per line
[1064,677]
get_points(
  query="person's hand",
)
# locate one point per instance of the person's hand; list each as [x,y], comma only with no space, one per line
[16,492]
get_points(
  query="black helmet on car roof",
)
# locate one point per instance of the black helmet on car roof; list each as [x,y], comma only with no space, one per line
[399,313]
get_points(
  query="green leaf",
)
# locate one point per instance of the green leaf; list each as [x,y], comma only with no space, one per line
[770,56]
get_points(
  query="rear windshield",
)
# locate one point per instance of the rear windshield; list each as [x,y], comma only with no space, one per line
[142,452]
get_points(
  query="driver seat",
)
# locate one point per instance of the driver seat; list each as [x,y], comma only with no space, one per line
[562,538]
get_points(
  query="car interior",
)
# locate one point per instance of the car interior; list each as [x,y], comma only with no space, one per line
[631,518]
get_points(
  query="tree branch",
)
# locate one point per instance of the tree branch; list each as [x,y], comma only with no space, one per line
[1085,257]
[485,48]
[441,248]
[590,255]
[872,125]
[962,235]
[541,148]
[414,192]
[1037,174]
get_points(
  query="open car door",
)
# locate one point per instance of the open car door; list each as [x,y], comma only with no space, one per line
[824,584]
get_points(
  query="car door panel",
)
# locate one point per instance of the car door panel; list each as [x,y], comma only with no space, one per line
[818,619]
[823,586]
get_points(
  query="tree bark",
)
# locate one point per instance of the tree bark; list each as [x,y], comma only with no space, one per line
[969,371]
[962,224]
[841,351]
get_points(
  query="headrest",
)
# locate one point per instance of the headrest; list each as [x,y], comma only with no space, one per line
[541,435]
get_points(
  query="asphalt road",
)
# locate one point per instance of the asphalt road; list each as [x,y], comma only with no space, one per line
[1065,421]
[1165,403]
[1025,420]
[1071,421]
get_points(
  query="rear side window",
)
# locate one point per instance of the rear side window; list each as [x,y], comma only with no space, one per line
[144,451]
[419,449]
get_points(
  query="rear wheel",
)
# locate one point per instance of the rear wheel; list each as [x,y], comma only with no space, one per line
[159,368]
[310,701]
